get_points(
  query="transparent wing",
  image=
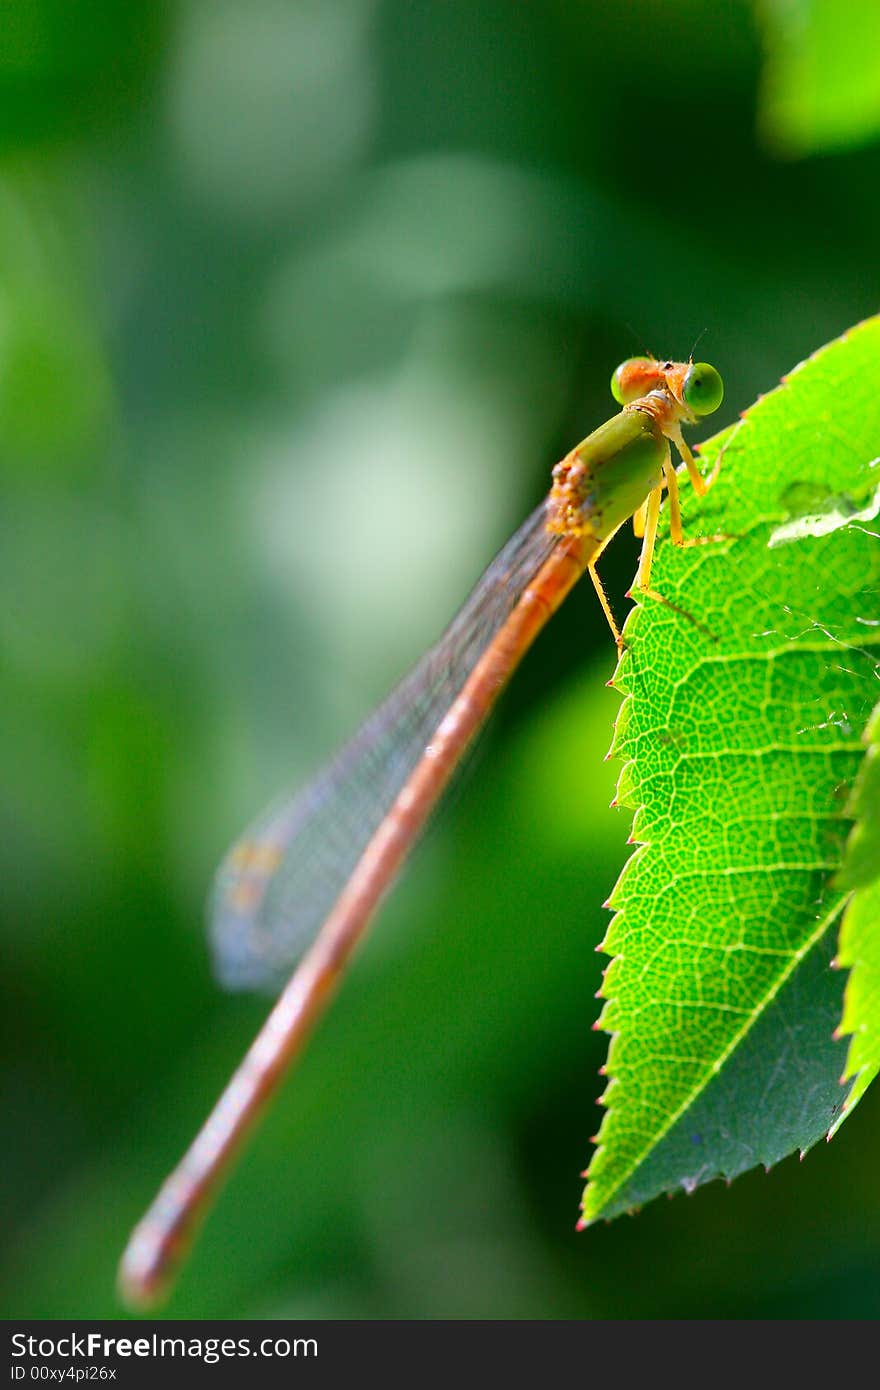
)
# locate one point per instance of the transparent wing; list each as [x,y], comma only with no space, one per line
[278,882]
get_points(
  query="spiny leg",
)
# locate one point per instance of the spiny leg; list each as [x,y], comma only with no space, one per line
[606,606]
[649,538]
[645,522]
[700,484]
[643,576]
[676,530]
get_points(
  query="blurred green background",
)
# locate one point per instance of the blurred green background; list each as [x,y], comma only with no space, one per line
[299,303]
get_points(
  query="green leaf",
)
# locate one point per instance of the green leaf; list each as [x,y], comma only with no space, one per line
[746,692]
[861,864]
[860,933]
[821,82]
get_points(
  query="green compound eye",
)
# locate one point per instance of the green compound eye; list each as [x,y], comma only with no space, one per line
[615,384]
[623,392]
[702,389]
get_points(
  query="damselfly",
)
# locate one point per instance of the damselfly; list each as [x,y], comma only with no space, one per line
[297,892]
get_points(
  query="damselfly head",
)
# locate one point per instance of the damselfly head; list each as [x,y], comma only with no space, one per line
[695,386]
